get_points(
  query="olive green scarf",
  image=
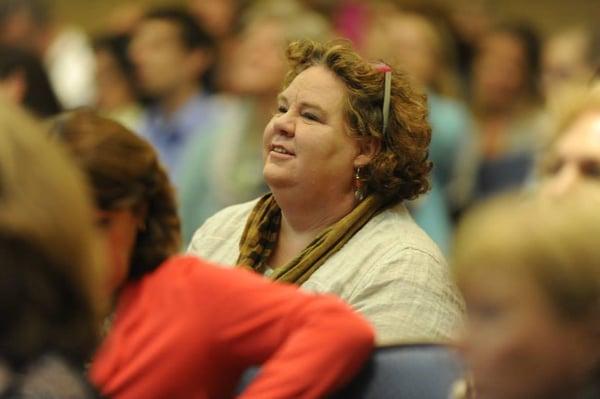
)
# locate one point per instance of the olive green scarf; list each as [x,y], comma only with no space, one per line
[262,229]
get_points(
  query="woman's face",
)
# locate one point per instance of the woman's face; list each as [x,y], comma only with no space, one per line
[499,71]
[515,344]
[306,144]
[575,157]
[409,40]
[120,229]
[113,91]
[258,63]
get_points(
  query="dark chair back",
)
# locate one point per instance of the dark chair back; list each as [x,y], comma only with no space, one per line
[422,371]
[416,371]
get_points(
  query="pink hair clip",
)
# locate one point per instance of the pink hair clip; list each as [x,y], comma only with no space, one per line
[386,93]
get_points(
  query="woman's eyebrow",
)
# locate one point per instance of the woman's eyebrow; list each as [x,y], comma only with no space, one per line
[314,106]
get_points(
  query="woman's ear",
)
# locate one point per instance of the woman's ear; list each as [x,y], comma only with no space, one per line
[368,148]
[141,213]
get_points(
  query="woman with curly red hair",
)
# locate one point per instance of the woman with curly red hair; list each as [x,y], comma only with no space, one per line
[346,146]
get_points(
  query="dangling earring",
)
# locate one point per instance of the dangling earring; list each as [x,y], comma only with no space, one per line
[142,226]
[359,186]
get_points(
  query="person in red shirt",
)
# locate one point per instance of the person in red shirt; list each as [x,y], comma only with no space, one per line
[181,327]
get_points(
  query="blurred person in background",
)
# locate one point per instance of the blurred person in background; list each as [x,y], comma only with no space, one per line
[67,55]
[221,18]
[572,155]
[569,56]
[215,179]
[117,92]
[505,100]
[217,16]
[23,81]
[123,18]
[181,327]
[418,40]
[340,165]
[471,20]
[529,269]
[171,53]
[51,280]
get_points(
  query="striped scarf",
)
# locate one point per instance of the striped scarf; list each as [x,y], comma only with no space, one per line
[262,229]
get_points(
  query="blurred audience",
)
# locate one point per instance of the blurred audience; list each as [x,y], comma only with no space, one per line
[506,104]
[529,269]
[50,277]
[182,327]
[118,95]
[569,56]
[124,18]
[68,58]
[23,81]
[217,16]
[215,179]
[171,54]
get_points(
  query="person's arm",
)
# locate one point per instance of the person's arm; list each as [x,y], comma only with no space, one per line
[308,345]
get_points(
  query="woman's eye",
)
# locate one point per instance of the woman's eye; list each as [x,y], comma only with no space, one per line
[281,109]
[552,168]
[310,116]
[590,169]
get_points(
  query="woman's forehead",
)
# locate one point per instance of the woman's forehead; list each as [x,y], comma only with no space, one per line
[582,136]
[315,84]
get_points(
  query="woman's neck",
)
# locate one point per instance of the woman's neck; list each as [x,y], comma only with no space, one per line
[302,221]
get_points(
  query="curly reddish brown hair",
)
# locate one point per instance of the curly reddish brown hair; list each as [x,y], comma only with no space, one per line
[124,172]
[399,171]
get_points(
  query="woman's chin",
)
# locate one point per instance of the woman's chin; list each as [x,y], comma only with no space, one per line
[277,178]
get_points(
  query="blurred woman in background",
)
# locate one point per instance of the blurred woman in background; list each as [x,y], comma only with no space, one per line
[572,154]
[117,95]
[51,277]
[529,269]
[505,100]
[23,81]
[181,327]
[216,179]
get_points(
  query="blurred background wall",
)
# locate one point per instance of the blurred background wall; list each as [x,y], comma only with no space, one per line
[546,15]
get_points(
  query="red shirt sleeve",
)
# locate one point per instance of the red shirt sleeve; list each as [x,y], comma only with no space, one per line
[190,327]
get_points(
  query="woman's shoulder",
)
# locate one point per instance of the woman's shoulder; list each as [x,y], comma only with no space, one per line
[394,231]
[217,239]
[228,218]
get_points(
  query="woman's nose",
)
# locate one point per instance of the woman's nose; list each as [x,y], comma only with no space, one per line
[284,124]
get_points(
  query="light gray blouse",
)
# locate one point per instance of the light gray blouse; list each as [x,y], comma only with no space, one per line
[390,271]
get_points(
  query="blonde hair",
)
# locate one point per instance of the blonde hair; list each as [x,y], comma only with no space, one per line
[553,241]
[51,279]
[574,101]
[299,21]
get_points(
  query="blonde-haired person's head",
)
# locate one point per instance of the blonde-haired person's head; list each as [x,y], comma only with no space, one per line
[572,151]
[528,266]
[257,66]
[51,280]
